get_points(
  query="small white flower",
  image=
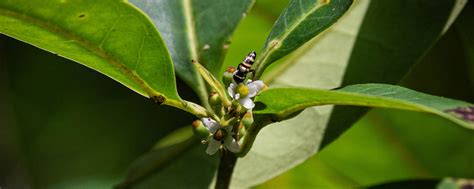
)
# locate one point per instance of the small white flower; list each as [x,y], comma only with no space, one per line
[243,92]
[215,143]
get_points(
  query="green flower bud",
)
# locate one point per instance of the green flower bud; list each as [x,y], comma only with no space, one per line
[214,99]
[247,120]
[235,109]
[216,103]
[200,131]
[242,130]
[228,75]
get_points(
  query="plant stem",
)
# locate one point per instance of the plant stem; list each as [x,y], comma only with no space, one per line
[248,140]
[190,107]
[226,167]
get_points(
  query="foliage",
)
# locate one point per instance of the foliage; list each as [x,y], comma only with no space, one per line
[59,134]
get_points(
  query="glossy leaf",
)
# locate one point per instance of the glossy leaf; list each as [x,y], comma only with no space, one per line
[297,24]
[279,104]
[110,36]
[196,30]
[70,136]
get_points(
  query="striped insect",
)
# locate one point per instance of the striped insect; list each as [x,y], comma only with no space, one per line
[244,68]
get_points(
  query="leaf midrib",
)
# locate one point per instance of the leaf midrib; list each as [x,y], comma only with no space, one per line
[85,43]
[190,25]
[409,105]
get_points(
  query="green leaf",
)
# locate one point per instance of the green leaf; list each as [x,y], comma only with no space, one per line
[403,27]
[279,104]
[109,36]
[411,145]
[215,84]
[288,143]
[70,136]
[298,23]
[432,151]
[196,30]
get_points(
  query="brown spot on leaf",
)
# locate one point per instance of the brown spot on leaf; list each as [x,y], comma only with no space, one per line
[466,113]
[82,15]
[158,99]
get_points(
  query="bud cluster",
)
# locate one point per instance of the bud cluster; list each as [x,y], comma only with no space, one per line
[231,111]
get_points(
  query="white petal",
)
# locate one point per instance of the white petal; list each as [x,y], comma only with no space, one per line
[237,96]
[231,144]
[210,124]
[255,87]
[231,89]
[213,146]
[247,102]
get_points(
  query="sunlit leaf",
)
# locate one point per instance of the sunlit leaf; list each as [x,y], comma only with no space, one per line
[297,24]
[109,36]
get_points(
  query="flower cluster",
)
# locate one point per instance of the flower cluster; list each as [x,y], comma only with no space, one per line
[230,117]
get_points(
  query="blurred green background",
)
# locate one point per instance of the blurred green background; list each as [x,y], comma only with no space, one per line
[65,126]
